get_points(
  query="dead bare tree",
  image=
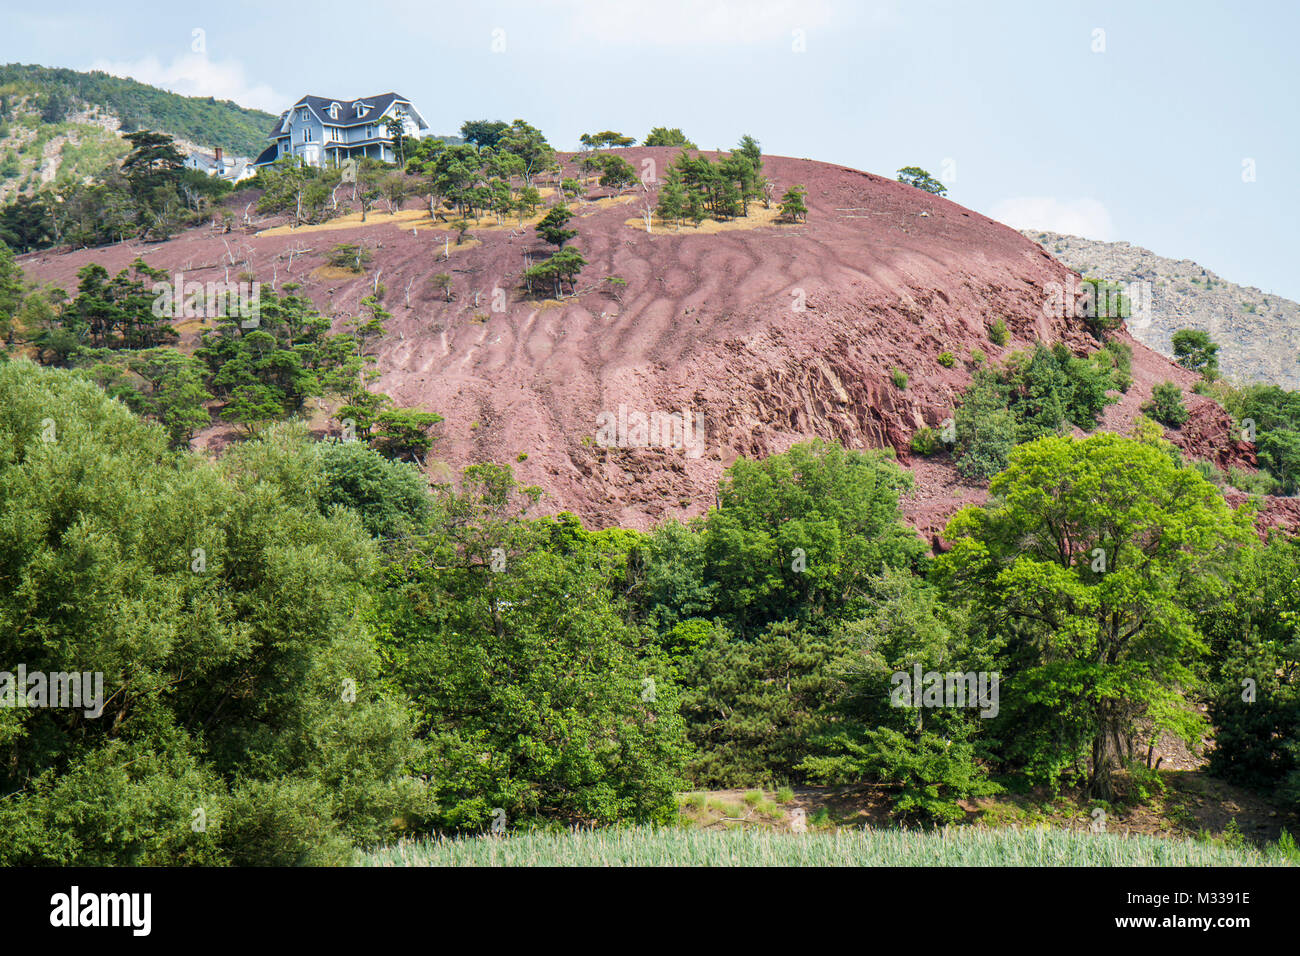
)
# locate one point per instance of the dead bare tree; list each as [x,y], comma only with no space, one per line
[294,251]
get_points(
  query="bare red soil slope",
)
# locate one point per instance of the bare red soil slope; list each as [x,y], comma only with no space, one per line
[890,277]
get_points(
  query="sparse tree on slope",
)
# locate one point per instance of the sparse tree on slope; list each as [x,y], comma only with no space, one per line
[793,207]
[919,178]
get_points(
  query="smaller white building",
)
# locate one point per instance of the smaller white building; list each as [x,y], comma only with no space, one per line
[232,169]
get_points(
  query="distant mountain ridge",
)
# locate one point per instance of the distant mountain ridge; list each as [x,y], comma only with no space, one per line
[1258,333]
[200,119]
[63,124]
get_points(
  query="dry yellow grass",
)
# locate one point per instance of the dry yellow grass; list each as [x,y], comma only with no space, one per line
[334,272]
[403,218]
[482,225]
[467,244]
[757,218]
[420,220]
[606,201]
[185,326]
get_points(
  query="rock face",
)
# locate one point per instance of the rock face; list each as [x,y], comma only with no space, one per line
[1258,333]
[763,336]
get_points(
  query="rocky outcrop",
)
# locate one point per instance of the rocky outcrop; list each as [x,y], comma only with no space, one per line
[1258,333]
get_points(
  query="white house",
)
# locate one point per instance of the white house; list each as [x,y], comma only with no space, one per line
[321,131]
[216,163]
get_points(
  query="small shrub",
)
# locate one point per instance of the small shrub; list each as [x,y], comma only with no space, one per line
[350,256]
[1285,848]
[947,359]
[925,441]
[1121,357]
[899,378]
[978,358]
[1144,783]
[785,795]
[1166,405]
[1232,836]
[998,333]
[1210,472]
[1252,483]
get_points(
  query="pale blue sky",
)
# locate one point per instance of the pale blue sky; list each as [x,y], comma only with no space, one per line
[1144,141]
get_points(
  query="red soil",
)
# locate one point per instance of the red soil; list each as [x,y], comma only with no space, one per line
[891,277]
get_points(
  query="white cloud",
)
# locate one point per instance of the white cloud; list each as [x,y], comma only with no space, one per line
[695,22]
[193,74]
[1087,218]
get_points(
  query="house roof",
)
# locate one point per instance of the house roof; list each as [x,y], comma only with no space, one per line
[266,156]
[347,113]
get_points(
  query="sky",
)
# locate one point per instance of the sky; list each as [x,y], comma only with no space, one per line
[1171,125]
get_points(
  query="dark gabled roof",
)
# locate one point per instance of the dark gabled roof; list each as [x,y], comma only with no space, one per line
[320,105]
[266,156]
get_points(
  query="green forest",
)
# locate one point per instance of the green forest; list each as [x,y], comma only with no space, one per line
[201,119]
[310,650]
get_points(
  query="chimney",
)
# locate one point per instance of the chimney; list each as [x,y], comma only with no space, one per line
[216,153]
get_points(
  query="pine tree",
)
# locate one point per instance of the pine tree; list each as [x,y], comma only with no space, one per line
[793,207]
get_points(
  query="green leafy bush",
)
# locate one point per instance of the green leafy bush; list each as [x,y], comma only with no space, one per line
[947,359]
[925,441]
[535,693]
[1103,307]
[1166,405]
[350,256]
[1085,632]
[998,333]
[228,617]
[751,705]
[927,755]
[986,430]
[1194,350]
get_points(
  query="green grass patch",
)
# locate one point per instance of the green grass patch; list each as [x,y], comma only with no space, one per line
[964,847]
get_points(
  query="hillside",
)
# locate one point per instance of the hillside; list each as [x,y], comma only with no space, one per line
[892,277]
[57,123]
[1258,333]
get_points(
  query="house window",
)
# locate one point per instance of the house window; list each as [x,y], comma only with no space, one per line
[302,114]
[334,111]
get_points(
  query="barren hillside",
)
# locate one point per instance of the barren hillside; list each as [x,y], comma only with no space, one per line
[707,322]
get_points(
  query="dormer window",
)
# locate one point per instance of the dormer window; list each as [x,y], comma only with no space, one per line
[361,110]
[334,111]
